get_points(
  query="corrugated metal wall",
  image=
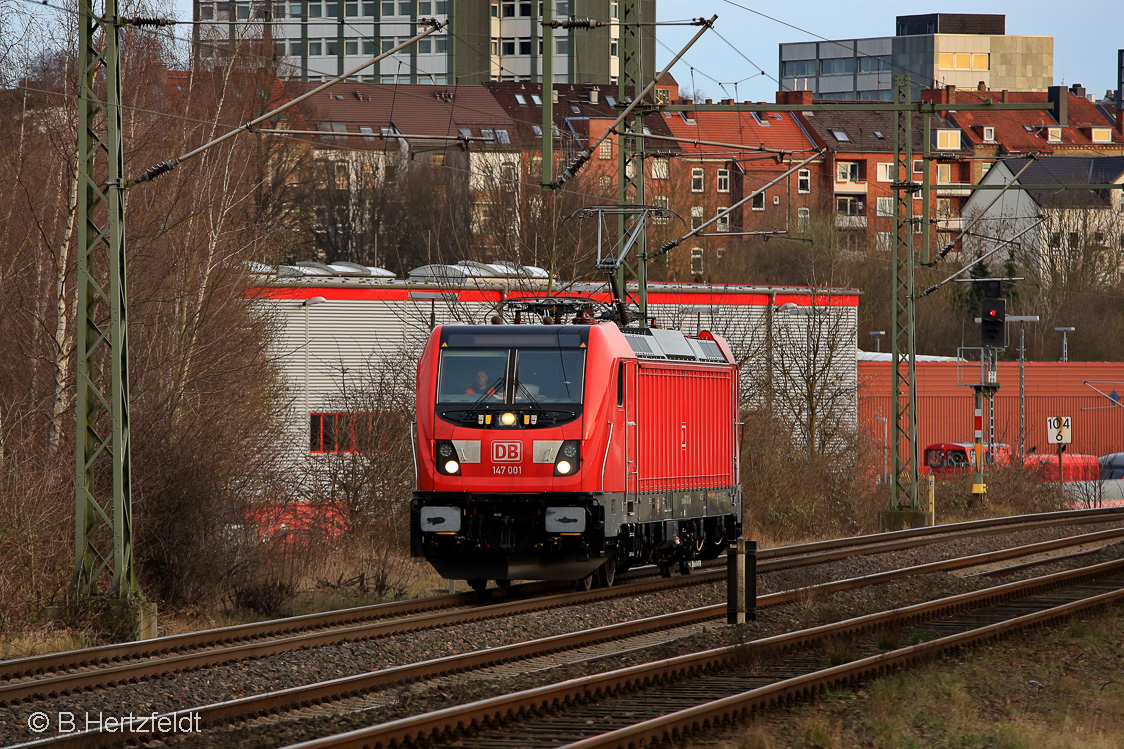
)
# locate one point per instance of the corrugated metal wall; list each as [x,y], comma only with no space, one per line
[945,410]
[337,343]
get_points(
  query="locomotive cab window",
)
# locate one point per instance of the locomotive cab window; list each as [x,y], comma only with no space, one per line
[472,376]
[549,376]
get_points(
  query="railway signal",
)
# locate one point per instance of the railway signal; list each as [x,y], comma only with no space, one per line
[993,318]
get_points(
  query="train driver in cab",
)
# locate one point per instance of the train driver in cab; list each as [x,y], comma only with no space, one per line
[483,385]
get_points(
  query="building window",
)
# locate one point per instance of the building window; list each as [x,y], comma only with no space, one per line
[847,205]
[837,66]
[507,46]
[1054,134]
[509,10]
[697,182]
[340,432]
[331,47]
[944,174]
[847,171]
[758,202]
[1101,135]
[660,201]
[660,168]
[387,8]
[886,171]
[614,48]
[525,46]
[605,150]
[605,182]
[874,64]
[917,166]
[804,181]
[697,261]
[798,68]
[963,61]
[803,218]
[562,45]
[723,180]
[723,223]
[351,47]
[948,140]
[989,134]
[696,216]
[884,207]
[524,10]
[313,47]
[944,207]
[885,241]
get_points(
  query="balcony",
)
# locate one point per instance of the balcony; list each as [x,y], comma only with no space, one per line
[843,221]
[953,189]
[850,188]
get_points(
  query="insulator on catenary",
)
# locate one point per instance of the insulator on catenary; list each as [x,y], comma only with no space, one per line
[577,23]
[144,21]
[156,171]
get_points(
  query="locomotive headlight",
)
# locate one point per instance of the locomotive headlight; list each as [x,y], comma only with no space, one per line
[569,458]
[448,461]
[507,419]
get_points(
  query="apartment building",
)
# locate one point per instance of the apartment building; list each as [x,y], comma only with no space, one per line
[500,40]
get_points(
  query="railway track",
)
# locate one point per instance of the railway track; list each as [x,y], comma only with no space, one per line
[61,673]
[634,632]
[68,672]
[675,698]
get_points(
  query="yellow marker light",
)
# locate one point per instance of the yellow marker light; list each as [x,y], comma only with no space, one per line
[452,466]
[507,419]
[564,466]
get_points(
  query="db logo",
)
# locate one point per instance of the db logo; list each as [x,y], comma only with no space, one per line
[506,452]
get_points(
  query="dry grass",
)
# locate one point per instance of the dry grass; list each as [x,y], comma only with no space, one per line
[1053,689]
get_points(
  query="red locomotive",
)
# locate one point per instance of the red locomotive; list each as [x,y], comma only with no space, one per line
[569,452]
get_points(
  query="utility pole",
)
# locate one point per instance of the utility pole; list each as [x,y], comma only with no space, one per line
[904,510]
[103,533]
[630,151]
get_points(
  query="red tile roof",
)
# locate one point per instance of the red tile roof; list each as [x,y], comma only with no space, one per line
[1026,130]
[778,130]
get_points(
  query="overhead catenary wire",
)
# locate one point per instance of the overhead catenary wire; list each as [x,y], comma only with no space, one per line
[583,157]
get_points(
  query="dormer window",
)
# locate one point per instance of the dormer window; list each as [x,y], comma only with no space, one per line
[1101,134]
[948,140]
[840,135]
[1054,134]
[989,134]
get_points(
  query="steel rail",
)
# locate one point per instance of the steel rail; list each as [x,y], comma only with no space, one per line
[246,707]
[283,630]
[420,728]
[721,712]
[30,665]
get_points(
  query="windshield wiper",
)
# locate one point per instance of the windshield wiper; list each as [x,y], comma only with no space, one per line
[489,393]
[526,391]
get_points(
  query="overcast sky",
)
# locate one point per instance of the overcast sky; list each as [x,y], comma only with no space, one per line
[1087,34]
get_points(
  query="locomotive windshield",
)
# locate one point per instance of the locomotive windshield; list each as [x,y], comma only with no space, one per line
[535,377]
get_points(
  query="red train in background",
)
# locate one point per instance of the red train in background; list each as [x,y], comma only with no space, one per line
[953,458]
[570,452]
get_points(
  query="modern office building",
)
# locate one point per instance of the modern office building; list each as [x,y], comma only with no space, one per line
[936,49]
[499,40]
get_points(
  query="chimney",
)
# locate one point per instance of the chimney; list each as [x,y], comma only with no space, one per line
[950,90]
[1078,90]
[794,97]
[1058,96]
[1120,122]
[981,86]
[1003,96]
[594,96]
